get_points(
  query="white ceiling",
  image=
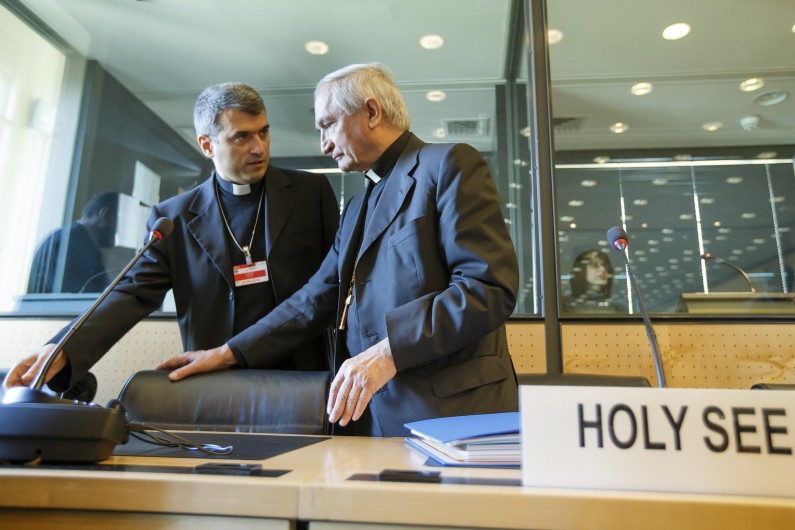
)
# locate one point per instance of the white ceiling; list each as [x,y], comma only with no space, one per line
[166,51]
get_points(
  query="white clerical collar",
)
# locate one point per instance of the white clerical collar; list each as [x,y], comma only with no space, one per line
[372,175]
[241,189]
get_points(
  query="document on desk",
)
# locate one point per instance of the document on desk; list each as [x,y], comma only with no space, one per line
[479,440]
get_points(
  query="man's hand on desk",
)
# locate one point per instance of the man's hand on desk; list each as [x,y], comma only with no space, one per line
[357,380]
[28,368]
[196,362]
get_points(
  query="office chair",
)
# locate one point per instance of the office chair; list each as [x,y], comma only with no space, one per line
[235,400]
[582,380]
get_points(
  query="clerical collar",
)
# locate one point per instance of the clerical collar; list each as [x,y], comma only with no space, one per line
[239,189]
[386,162]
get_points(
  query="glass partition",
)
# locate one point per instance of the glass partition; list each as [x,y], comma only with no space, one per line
[134,69]
[675,122]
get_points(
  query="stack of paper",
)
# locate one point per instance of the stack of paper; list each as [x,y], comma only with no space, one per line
[480,440]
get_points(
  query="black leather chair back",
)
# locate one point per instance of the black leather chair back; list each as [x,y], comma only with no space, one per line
[259,401]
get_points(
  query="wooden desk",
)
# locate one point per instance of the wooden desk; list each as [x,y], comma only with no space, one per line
[319,491]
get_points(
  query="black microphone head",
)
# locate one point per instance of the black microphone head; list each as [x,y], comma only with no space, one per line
[162,228]
[618,238]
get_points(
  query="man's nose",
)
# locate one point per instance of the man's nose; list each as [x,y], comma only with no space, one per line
[326,145]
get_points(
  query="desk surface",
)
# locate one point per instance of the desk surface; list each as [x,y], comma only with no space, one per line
[319,488]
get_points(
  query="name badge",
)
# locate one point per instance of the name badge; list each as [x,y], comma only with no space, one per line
[247,274]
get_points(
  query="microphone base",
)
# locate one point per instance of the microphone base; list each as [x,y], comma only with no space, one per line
[35,425]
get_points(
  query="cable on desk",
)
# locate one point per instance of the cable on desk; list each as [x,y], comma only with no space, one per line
[143,432]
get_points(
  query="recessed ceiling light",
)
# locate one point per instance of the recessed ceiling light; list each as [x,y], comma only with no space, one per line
[573,225]
[435,96]
[588,183]
[554,36]
[754,83]
[683,157]
[707,200]
[576,203]
[566,219]
[748,215]
[661,181]
[316,47]
[793,28]
[526,132]
[768,99]
[712,126]
[431,42]
[641,89]
[759,241]
[716,223]
[439,133]
[779,199]
[676,31]
[734,180]
[686,216]
[766,155]
[619,127]
[601,159]
[640,202]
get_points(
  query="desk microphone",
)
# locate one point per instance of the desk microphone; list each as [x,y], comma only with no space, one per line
[619,240]
[707,256]
[36,425]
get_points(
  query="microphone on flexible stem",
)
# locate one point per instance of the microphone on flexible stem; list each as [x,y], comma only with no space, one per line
[35,424]
[619,241]
[707,256]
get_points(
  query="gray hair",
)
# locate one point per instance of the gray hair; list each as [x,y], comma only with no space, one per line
[217,98]
[349,87]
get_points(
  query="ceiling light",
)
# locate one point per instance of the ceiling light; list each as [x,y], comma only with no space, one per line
[601,159]
[439,133]
[641,89]
[748,215]
[707,200]
[526,132]
[435,96]
[316,47]
[759,241]
[573,225]
[734,180]
[716,223]
[431,42]
[749,123]
[588,183]
[554,36]
[686,216]
[660,181]
[766,155]
[676,31]
[619,127]
[566,219]
[576,203]
[683,157]
[712,126]
[754,83]
[640,202]
[768,99]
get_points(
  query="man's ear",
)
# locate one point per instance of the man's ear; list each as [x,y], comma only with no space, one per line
[374,112]
[206,145]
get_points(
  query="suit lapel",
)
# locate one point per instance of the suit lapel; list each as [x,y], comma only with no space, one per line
[207,228]
[397,188]
[279,200]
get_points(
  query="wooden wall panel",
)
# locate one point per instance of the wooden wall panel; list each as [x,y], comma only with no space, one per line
[694,355]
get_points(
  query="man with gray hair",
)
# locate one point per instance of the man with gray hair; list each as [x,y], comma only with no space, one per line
[421,278]
[243,241]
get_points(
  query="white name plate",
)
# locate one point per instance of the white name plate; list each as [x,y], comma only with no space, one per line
[678,440]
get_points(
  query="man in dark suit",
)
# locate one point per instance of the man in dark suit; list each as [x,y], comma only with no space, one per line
[421,278]
[243,241]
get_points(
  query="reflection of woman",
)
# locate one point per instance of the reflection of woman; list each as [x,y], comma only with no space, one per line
[591,284]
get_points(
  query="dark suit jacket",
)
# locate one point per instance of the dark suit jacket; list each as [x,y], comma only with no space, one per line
[195,262]
[436,273]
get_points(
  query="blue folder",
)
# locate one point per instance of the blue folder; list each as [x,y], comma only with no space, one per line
[453,429]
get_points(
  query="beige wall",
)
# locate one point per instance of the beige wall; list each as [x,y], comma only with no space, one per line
[694,355]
